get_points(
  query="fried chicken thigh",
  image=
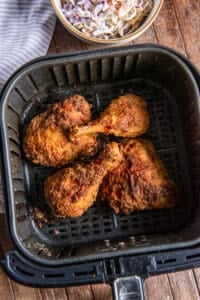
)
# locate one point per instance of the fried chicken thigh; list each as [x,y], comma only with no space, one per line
[126,116]
[71,191]
[140,181]
[46,139]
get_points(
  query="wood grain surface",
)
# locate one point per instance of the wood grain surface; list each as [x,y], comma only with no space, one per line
[177,26]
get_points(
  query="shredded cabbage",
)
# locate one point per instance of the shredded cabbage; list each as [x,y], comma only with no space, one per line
[106,19]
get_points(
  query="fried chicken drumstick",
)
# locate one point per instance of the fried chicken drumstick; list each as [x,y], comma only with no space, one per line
[126,116]
[140,181]
[46,140]
[71,191]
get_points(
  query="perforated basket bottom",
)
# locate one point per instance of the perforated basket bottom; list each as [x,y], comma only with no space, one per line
[99,222]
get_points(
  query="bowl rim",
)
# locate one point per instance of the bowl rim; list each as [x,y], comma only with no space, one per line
[127,38]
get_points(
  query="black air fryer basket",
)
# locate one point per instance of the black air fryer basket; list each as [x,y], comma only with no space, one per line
[101,246]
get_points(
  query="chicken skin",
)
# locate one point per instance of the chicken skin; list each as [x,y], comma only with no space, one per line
[126,116]
[46,140]
[71,191]
[140,181]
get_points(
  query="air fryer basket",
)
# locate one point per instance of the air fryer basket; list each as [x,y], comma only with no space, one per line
[171,91]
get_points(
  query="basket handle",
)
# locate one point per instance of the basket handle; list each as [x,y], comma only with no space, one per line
[29,273]
[131,287]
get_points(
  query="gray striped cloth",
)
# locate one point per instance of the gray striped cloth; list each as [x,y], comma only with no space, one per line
[26,28]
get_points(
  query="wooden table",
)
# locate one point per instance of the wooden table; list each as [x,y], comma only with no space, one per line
[177,26]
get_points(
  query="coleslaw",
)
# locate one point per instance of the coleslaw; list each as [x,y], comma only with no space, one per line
[106,19]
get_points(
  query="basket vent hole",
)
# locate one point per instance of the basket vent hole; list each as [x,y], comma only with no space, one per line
[97,231]
[95,225]
[156,222]
[73,228]
[135,226]
[145,224]
[63,237]
[124,227]
[54,275]
[62,224]
[107,230]
[85,227]
[125,221]
[107,224]
[71,222]
[74,235]
[51,225]
[63,230]
[24,271]
[166,261]
[86,233]
[193,256]
[84,221]
[83,273]
[117,266]
[108,268]
[106,217]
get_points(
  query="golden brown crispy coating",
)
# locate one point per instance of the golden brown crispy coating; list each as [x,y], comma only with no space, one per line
[71,191]
[46,140]
[140,181]
[126,116]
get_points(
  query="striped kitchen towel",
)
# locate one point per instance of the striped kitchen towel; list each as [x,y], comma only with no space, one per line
[26,28]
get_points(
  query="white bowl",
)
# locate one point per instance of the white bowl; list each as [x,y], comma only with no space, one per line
[157,4]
